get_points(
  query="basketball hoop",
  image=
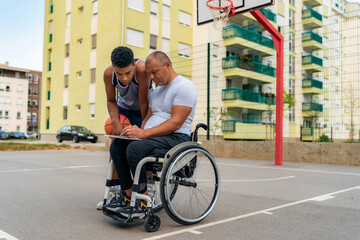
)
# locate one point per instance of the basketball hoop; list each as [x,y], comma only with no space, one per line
[220,10]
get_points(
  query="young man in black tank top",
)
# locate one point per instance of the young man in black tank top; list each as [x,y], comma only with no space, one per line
[128,76]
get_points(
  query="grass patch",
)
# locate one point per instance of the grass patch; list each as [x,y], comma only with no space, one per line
[11,146]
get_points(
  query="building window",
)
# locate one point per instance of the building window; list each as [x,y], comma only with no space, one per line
[78,107]
[36,78]
[34,103]
[93,41]
[29,103]
[166,12]
[215,51]
[35,91]
[18,115]
[20,88]
[214,82]
[68,20]
[6,114]
[17,128]
[153,41]
[33,118]
[80,41]
[28,117]
[67,50]
[184,19]
[65,110]
[95,7]
[134,38]
[92,110]
[30,78]
[93,75]
[7,101]
[79,74]
[136,5]
[19,102]
[2,86]
[8,87]
[153,8]
[184,50]
[66,81]
[81,9]
[165,45]
[1,114]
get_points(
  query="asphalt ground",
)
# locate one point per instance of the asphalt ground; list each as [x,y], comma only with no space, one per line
[53,195]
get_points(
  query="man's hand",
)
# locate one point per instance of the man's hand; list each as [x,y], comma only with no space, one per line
[134,132]
[117,127]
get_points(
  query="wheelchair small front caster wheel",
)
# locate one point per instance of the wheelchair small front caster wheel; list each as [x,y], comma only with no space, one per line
[152,223]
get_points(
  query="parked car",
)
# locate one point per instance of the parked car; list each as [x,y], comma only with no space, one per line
[4,135]
[17,135]
[34,135]
[76,134]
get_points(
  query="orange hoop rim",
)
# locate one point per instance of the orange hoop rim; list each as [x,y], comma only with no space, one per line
[219,8]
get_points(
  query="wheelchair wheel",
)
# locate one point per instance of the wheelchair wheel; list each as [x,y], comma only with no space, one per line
[190,185]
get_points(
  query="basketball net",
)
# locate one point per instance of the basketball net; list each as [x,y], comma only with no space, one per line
[220,10]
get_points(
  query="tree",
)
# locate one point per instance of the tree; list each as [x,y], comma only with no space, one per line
[352,104]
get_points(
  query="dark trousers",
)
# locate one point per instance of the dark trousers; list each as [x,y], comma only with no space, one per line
[127,154]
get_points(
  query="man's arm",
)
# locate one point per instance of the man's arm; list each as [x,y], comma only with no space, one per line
[111,101]
[144,83]
[178,116]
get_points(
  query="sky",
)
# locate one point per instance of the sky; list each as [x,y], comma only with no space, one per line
[22,30]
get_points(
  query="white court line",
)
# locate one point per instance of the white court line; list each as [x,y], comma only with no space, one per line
[47,169]
[6,236]
[292,169]
[191,229]
[259,180]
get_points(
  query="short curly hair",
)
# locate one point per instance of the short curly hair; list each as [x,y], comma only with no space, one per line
[122,57]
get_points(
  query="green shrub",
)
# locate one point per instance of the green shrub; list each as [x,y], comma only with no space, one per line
[324,138]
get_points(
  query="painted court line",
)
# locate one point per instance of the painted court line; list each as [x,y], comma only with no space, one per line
[4,235]
[47,169]
[292,169]
[191,229]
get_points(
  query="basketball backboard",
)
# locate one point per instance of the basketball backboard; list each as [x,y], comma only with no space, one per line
[241,6]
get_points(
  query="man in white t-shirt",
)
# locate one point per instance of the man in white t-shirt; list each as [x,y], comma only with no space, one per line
[167,123]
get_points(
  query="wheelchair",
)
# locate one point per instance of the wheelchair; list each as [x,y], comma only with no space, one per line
[186,181]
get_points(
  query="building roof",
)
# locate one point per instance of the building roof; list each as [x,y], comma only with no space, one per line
[6,66]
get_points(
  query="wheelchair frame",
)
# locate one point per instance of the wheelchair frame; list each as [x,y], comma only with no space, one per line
[177,154]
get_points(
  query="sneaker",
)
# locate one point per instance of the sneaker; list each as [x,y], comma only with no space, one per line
[113,194]
[135,212]
[121,201]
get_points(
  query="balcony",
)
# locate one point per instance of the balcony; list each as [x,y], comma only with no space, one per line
[312,3]
[268,14]
[311,41]
[311,19]
[239,129]
[51,8]
[311,133]
[312,63]
[48,95]
[49,66]
[50,37]
[311,86]
[241,38]
[236,67]
[310,109]
[241,98]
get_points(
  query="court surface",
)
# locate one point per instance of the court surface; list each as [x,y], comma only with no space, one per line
[53,195]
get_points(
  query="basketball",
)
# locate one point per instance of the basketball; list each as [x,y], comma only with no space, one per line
[108,124]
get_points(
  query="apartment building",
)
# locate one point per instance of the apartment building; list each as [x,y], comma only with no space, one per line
[316,71]
[78,41]
[13,98]
[33,102]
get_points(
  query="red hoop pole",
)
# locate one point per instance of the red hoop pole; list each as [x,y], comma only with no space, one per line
[278,40]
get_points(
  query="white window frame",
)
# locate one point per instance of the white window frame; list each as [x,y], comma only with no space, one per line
[92,110]
[68,20]
[137,5]
[184,50]
[166,12]
[165,45]
[154,8]
[134,38]
[184,19]
[95,7]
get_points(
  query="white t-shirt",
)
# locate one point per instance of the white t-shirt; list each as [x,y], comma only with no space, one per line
[180,91]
